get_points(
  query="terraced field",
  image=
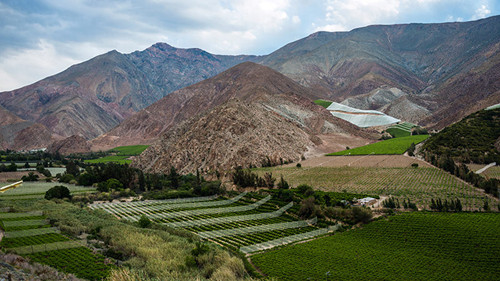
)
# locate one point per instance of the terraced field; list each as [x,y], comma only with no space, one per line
[247,220]
[401,130]
[36,190]
[420,185]
[409,246]
[29,234]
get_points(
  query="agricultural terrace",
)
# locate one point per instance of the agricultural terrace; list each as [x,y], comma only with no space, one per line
[122,153]
[248,222]
[420,185]
[492,172]
[30,235]
[36,190]
[390,146]
[401,130]
[409,246]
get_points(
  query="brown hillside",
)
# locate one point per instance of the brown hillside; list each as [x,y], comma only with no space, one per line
[248,82]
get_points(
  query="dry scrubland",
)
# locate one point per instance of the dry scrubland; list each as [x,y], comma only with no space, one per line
[383,175]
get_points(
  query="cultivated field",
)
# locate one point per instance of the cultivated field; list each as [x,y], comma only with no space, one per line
[420,184]
[122,154]
[29,234]
[409,246]
[248,222]
[390,146]
[37,189]
[382,161]
[492,172]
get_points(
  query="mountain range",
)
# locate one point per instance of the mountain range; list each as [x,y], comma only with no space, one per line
[430,74]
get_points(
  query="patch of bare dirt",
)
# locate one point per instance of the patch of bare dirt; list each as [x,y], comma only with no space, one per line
[336,142]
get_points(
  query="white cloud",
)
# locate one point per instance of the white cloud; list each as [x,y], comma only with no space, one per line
[344,15]
[481,12]
[28,66]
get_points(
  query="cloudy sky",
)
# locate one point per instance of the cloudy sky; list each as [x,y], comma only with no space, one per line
[39,38]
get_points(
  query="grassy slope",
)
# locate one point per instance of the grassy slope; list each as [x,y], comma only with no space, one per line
[412,246]
[391,146]
[323,103]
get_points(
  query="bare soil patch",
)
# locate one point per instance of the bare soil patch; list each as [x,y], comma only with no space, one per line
[16,175]
[336,142]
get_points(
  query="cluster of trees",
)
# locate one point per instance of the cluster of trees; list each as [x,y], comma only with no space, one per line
[447,163]
[246,178]
[10,168]
[393,203]
[110,177]
[309,208]
[470,140]
[446,206]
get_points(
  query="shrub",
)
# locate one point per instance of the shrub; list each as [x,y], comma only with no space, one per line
[58,191]
[144,222]
[30,177]
[283,184]
[299,165]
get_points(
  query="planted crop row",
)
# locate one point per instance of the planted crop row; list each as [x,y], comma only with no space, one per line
[238,241]
[419,185]
[10,225]
[239,224]
[18,216]
[286,240]
[230,219]
[204,211]
[8,242]
[154,202]
[256,228]
[79,261]
[124,210]
[132,211]
[410,246]
[31,232]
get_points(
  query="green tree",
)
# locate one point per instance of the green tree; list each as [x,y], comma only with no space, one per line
[144,222]
[114,184]
[58,191]
[173,177]
[283,184]
[72,168]
[30,177]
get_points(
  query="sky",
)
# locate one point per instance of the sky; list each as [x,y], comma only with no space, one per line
[39,38]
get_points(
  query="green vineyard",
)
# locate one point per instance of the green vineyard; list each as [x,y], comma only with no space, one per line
[410,246]
[419,185]
[30,235]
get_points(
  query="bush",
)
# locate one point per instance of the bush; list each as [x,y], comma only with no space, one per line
[283,184]
[144,222]
[66,178]
[299,165]
[58,191]
[30,177]
[307,208]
